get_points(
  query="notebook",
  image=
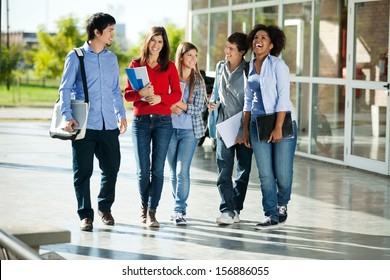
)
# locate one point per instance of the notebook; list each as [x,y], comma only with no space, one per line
[266,123]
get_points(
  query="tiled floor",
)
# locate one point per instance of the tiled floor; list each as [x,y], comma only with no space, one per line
[335,212]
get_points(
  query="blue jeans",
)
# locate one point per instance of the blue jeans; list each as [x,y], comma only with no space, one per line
[232,197]
[275,167]
[180,153]
[151,135]
[104,144]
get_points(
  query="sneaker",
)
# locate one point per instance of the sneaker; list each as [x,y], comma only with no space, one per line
[282,214]
[179,220]
[225,219]
[236,218]
[173,216]
[267,223]
[86,224]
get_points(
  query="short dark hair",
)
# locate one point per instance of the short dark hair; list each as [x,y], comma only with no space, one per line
[98,21]
[277,36]
[239,39]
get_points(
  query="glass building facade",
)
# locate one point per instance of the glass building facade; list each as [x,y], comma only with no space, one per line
[337,54]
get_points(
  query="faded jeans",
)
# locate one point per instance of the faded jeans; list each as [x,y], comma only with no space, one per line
[180,153]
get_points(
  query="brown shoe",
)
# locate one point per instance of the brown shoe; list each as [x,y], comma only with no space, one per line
[144,211]
[86,224]
[152,219]
[107,218]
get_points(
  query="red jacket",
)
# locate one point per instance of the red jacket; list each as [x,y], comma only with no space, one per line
[166,84]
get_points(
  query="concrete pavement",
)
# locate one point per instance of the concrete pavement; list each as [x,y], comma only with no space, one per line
[335,212]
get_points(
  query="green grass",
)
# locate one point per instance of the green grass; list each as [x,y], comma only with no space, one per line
[36,96]
[33,96]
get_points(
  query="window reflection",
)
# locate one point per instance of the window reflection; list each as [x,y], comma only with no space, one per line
[371,56]
[199,33]
[218,36]
[298,33]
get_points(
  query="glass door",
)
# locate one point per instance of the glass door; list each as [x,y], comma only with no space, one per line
[367,134]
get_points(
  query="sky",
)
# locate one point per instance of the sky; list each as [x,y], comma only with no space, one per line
[138,15]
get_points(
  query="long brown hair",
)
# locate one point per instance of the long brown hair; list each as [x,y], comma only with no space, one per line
[163,56]
[182,49]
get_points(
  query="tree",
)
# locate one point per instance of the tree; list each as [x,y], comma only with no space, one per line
[9,61]
[175,37]
[49,57]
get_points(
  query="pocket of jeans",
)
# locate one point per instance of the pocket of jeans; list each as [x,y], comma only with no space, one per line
[165,119]
[137,119]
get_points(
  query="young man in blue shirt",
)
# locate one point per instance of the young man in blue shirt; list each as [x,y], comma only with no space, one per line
[106,118]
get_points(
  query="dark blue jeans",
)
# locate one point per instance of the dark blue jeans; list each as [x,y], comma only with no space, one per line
[151,137]
[232,197]
[104,144]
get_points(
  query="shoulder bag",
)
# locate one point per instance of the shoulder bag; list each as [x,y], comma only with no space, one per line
[80,110]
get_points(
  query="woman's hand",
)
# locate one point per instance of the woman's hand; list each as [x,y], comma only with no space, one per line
[276,136]
[148,90]
[153,99]
[176,109]
[246,140]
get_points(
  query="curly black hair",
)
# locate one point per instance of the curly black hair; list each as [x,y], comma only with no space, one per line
[277,36]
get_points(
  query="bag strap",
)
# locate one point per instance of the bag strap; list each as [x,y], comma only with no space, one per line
[217,82]
[80,55]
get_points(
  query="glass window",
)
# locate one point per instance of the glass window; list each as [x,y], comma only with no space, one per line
[242,21]
[299,94]
[219,3]
[328,125]
[369,126]
[199,4]
[218,35]
[297,20]
[199,33]
[266,15]
[371,40]
[241,1]
[330,37]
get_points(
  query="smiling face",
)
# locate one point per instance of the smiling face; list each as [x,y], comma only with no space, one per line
[190,59]
[261,43]
[232,54]
[107,36]
[156,43]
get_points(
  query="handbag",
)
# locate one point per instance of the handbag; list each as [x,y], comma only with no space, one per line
[213,115]
[266,123]
[80,109]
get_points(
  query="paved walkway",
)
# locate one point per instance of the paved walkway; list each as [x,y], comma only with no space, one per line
[335,213]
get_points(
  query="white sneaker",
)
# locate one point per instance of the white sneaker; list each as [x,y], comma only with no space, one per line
[236,218]
[225,219]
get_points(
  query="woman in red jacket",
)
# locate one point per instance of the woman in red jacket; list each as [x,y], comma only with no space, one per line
[152,122]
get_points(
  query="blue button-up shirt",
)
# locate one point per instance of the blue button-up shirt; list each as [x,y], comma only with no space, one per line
[105,95]
[274,83]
